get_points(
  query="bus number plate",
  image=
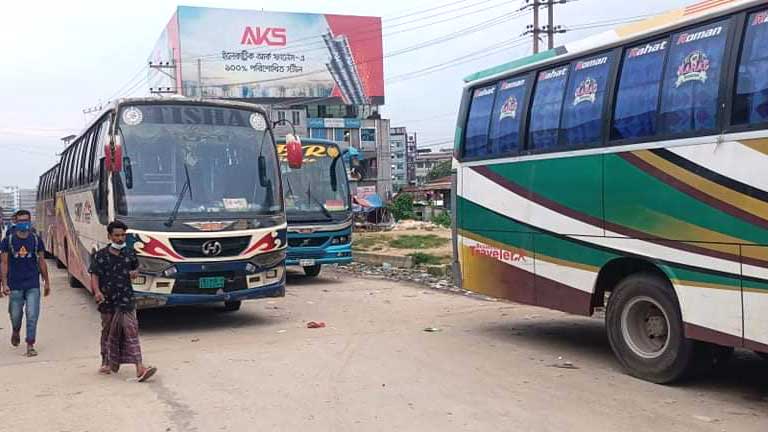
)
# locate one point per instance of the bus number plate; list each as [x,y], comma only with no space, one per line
[211,282]
[307,262]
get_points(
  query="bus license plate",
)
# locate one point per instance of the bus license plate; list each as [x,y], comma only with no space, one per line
[307,262]
[211,282]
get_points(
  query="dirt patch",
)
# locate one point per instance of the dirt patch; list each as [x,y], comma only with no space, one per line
[433,241]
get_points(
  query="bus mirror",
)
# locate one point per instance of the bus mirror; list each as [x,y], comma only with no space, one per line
[294,151]
[128,169]
[113,152]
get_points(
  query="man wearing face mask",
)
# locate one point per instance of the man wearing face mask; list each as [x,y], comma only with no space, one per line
[21,265]
[112,269]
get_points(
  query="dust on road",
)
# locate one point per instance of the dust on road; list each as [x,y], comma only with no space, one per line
[489,367]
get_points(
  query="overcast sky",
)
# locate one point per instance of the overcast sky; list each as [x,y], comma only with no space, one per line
[60,57]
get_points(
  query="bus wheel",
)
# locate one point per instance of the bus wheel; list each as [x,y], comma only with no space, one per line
[231,306]
[645,329]
[312,271]
[74,282]
[60,264]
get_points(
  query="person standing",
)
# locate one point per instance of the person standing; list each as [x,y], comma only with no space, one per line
[21,265]
[112,269]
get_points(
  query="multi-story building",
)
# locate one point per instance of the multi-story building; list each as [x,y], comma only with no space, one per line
[14,198]
[410,158]
[397,143]
[426,160]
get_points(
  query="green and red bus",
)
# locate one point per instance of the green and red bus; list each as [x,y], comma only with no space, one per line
[627,171]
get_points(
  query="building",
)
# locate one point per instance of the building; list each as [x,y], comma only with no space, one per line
[323,74]
[398,138]
[410,156]
[426,160]
[13,198]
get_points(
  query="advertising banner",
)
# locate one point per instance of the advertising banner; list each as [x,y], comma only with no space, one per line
[278,56]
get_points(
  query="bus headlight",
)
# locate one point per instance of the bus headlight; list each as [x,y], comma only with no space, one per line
[170,272]
[250,268]
[152,265]
[268,260]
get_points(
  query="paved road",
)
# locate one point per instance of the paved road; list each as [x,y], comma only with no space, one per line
[372,369]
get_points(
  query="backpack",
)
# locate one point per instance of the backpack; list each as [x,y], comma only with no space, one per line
[35,239]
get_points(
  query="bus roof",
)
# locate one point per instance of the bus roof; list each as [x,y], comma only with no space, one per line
[623,34]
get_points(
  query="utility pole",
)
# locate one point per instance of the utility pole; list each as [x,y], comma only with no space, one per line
[536,30]
[550,24]
[162,67]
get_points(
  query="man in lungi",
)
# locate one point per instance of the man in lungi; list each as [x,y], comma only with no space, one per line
[112,269]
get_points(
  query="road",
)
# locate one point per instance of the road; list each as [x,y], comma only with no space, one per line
[373,368]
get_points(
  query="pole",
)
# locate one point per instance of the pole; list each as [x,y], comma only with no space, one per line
[199,78]
[536,26]
[550,24]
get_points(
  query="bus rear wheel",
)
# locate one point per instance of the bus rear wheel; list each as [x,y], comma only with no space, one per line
[312,271]
[645,329]
[231,306]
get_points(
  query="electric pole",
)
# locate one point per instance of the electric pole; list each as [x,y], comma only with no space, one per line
[550,29]
[162,67]
[534,29]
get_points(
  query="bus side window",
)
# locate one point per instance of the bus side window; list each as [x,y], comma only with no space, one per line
[506,119]
[476,136]
[583,111]
[546,108]
[750,104]
[689,98]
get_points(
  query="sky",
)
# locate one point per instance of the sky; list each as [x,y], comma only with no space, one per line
[60,58]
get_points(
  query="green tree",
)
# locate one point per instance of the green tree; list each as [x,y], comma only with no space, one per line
[402,207]
[442,169]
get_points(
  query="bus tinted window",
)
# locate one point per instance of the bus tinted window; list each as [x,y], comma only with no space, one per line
[507,116]
[637,97]
[751,101]
[476,138]
[583,111]
[545,111]
[692,79]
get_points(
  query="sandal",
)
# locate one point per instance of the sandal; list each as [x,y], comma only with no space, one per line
[104,370]
[15,339]
[31,352]
[147,374]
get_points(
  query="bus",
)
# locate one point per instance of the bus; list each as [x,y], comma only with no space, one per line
[626,173]
[198,184]
[318,207]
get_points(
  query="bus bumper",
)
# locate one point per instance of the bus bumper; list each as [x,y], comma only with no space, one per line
[146,300]
[330,255]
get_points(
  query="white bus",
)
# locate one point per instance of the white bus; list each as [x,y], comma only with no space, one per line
[628,171]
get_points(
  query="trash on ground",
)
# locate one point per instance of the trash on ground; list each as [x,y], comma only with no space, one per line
[315,325]
[432,330]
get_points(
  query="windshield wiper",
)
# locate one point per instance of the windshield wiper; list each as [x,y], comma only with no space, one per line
[187,187]
[316,201]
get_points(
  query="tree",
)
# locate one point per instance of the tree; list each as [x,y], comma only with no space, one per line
[402,207]
[442,169]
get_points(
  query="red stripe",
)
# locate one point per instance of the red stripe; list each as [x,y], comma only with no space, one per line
[709,4]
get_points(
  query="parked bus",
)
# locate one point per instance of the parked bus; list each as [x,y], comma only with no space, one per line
[318,207]
[198,184]
[627,171]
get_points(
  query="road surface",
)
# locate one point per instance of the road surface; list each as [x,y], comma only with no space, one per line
[492,366]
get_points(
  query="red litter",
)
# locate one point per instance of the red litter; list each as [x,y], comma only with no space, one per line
[314,325]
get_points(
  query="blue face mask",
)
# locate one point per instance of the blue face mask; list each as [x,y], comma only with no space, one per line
[23,226]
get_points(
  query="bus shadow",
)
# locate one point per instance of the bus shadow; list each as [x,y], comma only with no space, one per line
[202,318]
[583,342]
[295,278]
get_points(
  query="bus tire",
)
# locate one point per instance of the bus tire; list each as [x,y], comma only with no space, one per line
[312,271]
[60,264]
[232,306]
[74,282]
[645,329]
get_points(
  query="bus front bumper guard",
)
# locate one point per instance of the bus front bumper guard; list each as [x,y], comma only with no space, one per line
[148,299]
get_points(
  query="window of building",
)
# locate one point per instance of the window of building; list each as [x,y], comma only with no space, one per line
[689,99]
[296,118]
[280,115]
[368,135]
[637,97]
[476,136]
[750,104]
[584,101]
[546,108]
[506,121]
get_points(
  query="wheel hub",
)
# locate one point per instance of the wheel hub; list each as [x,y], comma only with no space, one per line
[645,327]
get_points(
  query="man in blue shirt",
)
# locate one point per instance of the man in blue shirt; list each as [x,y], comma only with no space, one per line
[21,264]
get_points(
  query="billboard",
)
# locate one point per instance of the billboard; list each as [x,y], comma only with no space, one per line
[273,56]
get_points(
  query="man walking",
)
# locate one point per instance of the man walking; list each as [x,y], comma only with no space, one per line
[21,264]
[112,269]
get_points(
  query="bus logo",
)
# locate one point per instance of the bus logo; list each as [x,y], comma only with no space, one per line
[509,109]
[211,248]
[586,92]
[694,68]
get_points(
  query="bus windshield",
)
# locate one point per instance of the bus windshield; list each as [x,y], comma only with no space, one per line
[203,159]
[318,190]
